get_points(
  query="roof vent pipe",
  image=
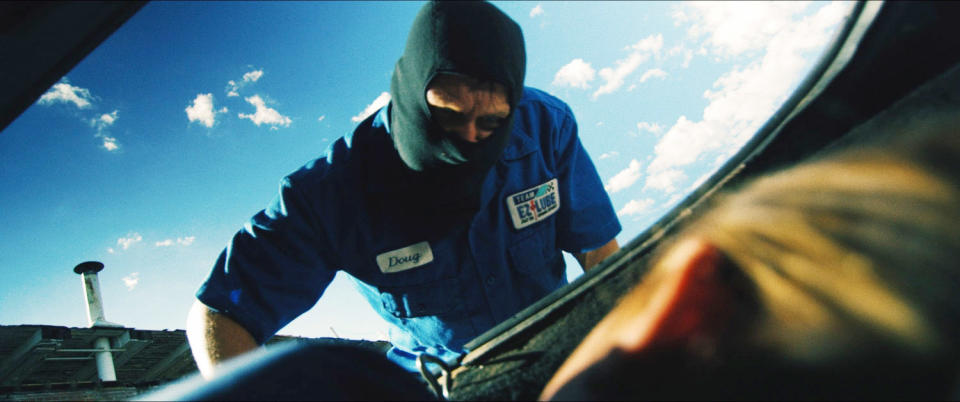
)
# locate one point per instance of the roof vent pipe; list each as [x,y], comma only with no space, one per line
[91,289]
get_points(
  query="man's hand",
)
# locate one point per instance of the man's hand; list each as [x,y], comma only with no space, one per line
[214,338]
[593,257]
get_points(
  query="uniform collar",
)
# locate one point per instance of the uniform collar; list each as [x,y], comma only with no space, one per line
[521,144]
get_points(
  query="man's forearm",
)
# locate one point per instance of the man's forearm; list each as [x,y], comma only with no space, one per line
[215,337]
[592,258]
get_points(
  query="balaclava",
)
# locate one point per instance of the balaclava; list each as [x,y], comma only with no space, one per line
[474,39]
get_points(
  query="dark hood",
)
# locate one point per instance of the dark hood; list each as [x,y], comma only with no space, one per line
[466,38]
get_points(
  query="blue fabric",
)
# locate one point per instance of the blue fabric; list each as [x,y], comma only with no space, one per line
[334,214]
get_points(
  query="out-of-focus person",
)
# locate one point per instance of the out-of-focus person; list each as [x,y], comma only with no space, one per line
[838,278]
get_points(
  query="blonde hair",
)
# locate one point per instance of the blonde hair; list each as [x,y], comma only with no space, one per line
[854,251]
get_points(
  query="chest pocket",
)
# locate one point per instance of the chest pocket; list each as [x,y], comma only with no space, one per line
[537,257]
[439,298]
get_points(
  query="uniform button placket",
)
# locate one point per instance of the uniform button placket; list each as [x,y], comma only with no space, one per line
[486,320]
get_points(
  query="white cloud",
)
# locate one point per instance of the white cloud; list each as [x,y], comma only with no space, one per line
[653,73]
[233,87]
[625,178]
[651,44]
[100,124]
[614,76]
[665,180]
[131,239]
[576,73]
[680,49]
[63,92]
[651,127]
[696,183]
[202,110]
[536,11]
[111,250]
[373,107]
[673,200]
[265,114]
[183,241]
[640,53]
[733,28]
[106,119]
[684,143]
[610,154]
[131,281]
[253,76]
[636,207]
[110,143]
[742,99]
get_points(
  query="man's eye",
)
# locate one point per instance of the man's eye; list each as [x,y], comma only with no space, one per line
[489,123]
[444,116]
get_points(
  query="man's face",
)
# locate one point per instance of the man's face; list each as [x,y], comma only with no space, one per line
[470,111]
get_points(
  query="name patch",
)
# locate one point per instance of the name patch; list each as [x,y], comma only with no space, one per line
[405,258]
[533,204]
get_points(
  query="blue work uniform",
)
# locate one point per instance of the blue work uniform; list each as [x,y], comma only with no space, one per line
[436,289]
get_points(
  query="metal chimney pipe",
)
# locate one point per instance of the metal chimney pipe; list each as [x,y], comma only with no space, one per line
[105,369]
[91,290]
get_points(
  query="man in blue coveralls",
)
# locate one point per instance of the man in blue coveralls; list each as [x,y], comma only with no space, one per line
[450,206]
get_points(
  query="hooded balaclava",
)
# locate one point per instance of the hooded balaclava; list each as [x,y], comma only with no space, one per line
[474,39]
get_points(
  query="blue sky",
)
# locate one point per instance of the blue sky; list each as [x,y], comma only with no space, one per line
[158,146]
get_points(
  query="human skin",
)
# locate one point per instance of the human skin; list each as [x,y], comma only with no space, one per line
[214,338]
[682,302]
[462,109]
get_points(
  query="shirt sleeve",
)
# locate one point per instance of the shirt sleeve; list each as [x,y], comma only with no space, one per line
[586,218]
[274,269]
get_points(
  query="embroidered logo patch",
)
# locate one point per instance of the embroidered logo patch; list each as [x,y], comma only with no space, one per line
[533,204]
[405,258]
